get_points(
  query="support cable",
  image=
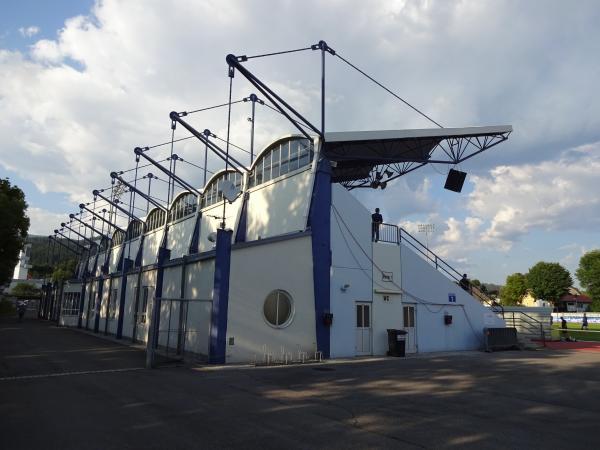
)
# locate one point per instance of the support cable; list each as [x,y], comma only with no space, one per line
[295,121]
[233,145]
[389,91]
[187,113]
[196,166]
[246,58]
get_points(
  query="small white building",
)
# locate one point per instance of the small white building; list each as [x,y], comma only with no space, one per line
[22,268]
[295,270]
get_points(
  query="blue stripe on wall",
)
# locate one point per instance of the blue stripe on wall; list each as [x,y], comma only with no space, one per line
[320,224]
[218,324]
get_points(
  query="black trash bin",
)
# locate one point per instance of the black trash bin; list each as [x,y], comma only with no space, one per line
[396,342]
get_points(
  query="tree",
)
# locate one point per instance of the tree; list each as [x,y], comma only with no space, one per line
[549,281]
[14,225]
[588,274]
[515,288]
[25,290]
[41,270]
[64,271]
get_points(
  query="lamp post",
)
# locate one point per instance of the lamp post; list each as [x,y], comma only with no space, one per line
[426,228]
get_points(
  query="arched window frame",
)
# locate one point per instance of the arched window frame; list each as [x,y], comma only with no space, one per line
[134,230]
[213,193]
[156,219]
[118,238]
[280,158]
[184,205]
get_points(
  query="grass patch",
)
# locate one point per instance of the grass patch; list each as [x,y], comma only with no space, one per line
[574,331]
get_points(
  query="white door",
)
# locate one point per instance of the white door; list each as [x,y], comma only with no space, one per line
[410,325]
[363,329]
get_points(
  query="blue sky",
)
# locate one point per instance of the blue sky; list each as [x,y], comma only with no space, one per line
[77,94]
[49,17]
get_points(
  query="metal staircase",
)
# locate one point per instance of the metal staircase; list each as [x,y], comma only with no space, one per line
[530,330]
[397,235]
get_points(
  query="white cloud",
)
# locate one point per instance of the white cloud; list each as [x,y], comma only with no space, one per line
[43,222]
[29,31]
[73,108]
[559,194]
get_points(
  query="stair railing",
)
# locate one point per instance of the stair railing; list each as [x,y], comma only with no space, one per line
[396,235]
[527,322]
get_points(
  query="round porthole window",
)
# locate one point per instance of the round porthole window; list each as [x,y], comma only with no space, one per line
[278,308]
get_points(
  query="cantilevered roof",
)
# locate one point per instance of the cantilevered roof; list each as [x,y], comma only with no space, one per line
[360,157]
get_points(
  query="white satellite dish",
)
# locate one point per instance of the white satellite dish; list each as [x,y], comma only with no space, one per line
[229,191]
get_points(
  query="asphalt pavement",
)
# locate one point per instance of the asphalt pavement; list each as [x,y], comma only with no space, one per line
[64,389]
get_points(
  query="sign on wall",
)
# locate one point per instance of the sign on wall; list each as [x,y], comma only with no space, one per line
[451,298]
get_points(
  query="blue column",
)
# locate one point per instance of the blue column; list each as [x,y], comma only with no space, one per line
[218,323]
[320,225]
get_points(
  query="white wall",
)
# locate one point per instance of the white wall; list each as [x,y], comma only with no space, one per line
[129,309]
[350,266]
[422,280]
[255,272]
[279,206]
[152,242]
[90,264]
[116,285]
[386,314]
[115,254]
[210,224]
[180,236]
[88,306]
[103,304]
[101,260]
[131,248]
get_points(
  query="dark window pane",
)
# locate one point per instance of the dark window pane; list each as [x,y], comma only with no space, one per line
[284,158]
[270,308]
[284,309]
[293,156]
[275,163]
[367,319]
[303,153]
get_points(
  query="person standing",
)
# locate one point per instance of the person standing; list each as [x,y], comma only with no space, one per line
[563,331]
[377,220]
[584,322]
[465,283]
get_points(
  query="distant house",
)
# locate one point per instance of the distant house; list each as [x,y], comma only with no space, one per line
[530,301]
[573,301]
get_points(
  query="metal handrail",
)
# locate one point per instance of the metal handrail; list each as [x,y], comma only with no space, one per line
[439,263]
[532,322]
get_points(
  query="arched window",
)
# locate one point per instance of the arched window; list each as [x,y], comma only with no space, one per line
[155,219]
[184,205]
[134,229]
[118,238]
[213,192]
[283,157]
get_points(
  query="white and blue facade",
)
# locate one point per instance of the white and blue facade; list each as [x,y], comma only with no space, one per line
[294,269]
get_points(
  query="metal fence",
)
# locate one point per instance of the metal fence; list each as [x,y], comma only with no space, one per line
[179,330]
